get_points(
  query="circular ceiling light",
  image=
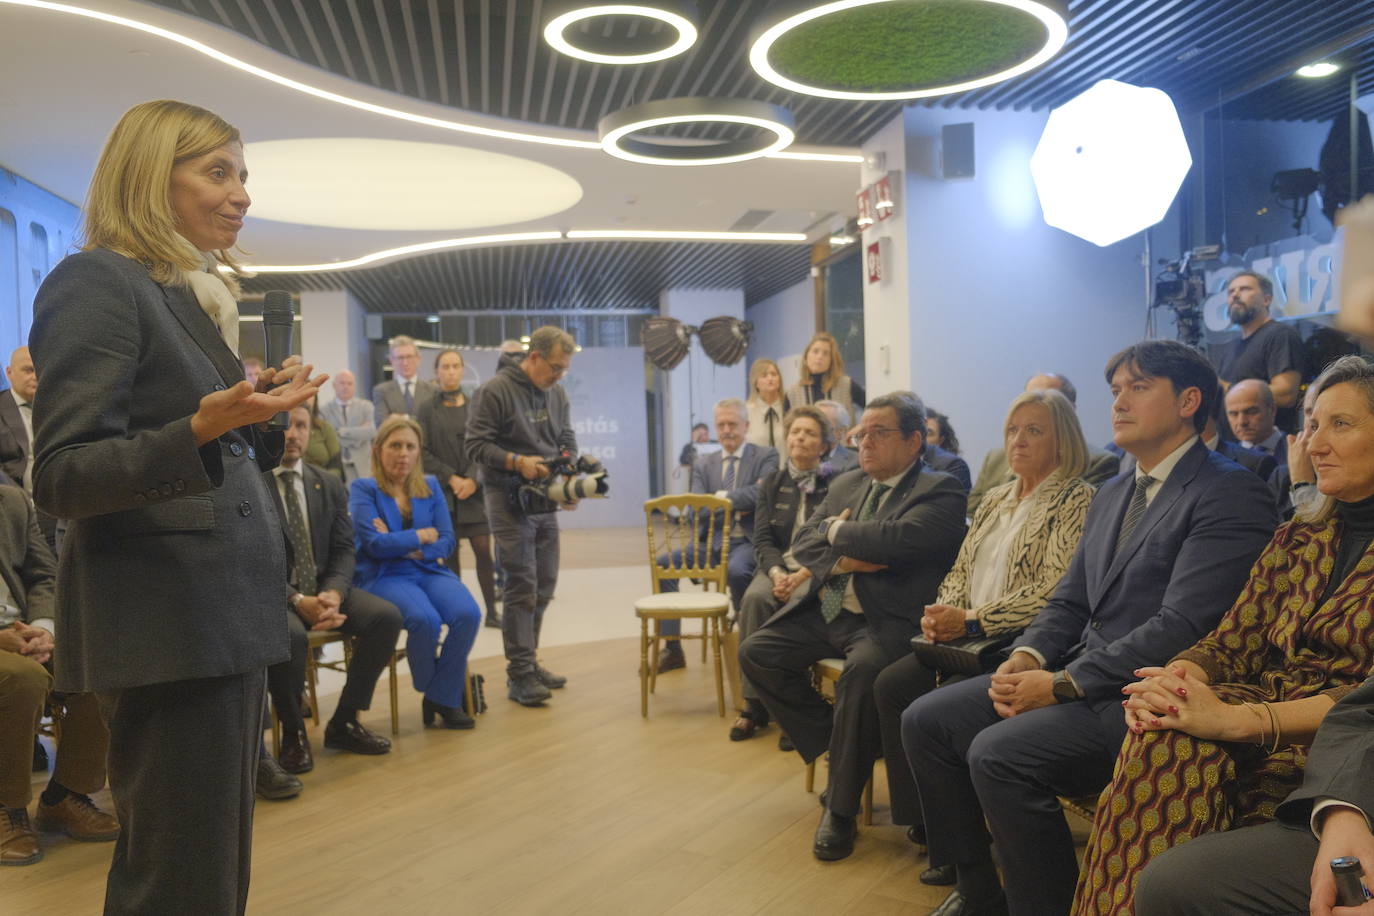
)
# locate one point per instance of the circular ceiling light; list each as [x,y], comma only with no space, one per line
[881,50]
[775,124]
[641,46]
[368,183]
[1318,70]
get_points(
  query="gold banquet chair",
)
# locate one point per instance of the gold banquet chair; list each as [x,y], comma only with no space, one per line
[674,532]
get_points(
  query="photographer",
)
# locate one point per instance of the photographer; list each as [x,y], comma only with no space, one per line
[517,426]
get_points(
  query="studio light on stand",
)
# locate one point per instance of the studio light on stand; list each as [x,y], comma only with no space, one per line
[1293,188]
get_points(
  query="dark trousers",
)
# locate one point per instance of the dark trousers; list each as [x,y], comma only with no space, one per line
[183,757]
[1265,869]
[898,686]
[778,659]
[971,764]
[528,548]
[752,612]
[374,625]
[738,574]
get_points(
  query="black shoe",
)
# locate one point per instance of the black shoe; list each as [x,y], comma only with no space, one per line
[355,738]
[834,837]
[749,729]
[956,904]
[549,679]
[295,756]
[449,716]
[916,833]
[40,757]
[274,783]
[939,876]
[785,743]
[671,659]
[493,620]
[526,689]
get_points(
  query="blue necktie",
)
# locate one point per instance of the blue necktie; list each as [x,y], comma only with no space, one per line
[729,482]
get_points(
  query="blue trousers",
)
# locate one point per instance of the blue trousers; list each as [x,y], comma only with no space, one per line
[738,574]
[428,600]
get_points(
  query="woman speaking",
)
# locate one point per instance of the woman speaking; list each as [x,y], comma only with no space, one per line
[169,592]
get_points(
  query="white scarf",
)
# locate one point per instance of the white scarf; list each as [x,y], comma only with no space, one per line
[215,300]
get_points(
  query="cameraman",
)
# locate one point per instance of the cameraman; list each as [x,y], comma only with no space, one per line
[518,424]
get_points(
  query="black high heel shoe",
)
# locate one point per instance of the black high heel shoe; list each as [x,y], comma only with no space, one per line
[449,716]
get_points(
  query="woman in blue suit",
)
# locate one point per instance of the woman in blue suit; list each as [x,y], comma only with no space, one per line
[403,532]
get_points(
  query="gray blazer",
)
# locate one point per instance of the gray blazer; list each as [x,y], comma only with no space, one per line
[755,463]
[15,449]
[173,561]
[355,435]
[26,563]
[388,398]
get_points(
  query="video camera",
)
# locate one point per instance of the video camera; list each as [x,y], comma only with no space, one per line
[1181,287]
[569,480]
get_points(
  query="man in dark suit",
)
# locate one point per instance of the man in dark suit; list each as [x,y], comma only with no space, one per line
[877,548]
[1164,552]
[1283,866]
[405,389]
[16,419]
[734,473]
[27,573]
[1250,410]
[313,509]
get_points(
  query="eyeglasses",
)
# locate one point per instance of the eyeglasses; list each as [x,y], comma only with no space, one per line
[877,432]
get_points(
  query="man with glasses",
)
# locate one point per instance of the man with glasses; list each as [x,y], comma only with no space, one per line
[517,424]
[405,390]
[877,548]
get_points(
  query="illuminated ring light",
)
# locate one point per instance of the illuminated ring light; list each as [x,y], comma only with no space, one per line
[775,123]
[678,16]
[1056,33]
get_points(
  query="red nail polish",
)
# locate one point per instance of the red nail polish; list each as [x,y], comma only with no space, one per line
[1173,710]
[1182,691]
[1125,702]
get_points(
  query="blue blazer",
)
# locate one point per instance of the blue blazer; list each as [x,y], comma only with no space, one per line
[755,463]
[383,554]
[1178,572]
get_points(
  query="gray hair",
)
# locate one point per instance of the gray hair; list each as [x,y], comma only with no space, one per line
[841,412]
[401,340]
[1066,387]
[544,340]
[736,405]
[1356,371]
[910,410]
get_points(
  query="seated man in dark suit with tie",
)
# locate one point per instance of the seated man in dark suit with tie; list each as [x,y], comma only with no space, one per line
[313,509]
[1283,866]
[734,473]
[1165,550]
[877,548]
[1251,411]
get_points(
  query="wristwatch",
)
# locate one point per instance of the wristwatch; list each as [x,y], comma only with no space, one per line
[972,627]
[1063,687]
[295,600]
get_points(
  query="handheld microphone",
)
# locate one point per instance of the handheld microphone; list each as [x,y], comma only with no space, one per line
[278,333]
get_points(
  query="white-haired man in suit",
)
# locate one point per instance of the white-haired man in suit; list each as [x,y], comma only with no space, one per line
[353,419]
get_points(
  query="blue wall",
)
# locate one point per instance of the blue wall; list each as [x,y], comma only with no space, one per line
[36,231]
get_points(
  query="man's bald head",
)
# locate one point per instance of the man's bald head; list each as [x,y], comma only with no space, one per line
[345,385]
[20,372]
[1053,381]
[1250,410]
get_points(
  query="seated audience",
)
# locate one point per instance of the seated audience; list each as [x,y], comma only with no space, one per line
[1283,866]
[787,498]
[765,405]
[877,548]
[1250,409]
[352,419]
[733,473]
[840,457]
[1022,538]
[324,452]
[1295,482]
[1243,703]
[1261,464]
[823,378]
[402,532]
[313,509]
[1103,464]
[940,432]
[937,459]
[443,419]
[27,575]
[1164,552]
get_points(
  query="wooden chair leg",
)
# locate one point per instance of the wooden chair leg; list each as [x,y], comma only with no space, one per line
[653,656]
[470,696]
[310,682]
[276,731]
[811,776]
[715,651]
[705,628]
[395,700]
[644,667]
[868,803]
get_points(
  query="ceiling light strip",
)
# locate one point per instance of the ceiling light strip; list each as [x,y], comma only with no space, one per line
[555,32]
[650,235]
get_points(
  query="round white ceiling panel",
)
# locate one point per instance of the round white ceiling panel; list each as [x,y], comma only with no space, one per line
[363,183]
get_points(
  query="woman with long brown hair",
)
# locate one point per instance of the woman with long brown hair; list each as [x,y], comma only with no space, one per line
[823,377]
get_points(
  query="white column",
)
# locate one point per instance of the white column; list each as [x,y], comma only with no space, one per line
[333,336]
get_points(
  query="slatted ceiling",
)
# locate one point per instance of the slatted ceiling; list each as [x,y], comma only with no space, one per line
[561,276]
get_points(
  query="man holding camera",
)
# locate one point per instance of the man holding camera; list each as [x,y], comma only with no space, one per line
[518,424]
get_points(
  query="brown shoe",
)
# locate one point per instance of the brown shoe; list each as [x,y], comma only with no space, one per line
[77,817]
[295,756]
[18,842]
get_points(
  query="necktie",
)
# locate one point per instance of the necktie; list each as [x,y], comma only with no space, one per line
[729,482]
[410,398]
[26,411]
[303,558]
[1135,511]
[832,594]
[771,417]
[343,413]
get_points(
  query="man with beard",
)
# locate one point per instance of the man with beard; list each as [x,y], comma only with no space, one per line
[1266,350]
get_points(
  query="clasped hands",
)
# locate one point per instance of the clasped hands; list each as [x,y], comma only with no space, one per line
[1179,698]
[785,583]
[244,405]
[321,612]
[943,622]
[1019,685]
[462,487]
[22,639]
[426,535]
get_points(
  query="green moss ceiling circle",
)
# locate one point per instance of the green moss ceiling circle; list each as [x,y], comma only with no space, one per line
[907,45]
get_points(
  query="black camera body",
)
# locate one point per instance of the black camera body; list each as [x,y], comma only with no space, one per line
[569,480]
